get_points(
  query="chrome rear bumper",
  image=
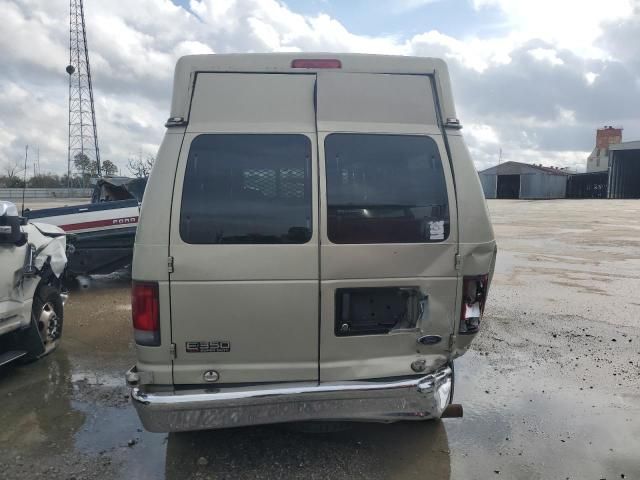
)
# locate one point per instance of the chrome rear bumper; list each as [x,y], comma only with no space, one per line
[416,398]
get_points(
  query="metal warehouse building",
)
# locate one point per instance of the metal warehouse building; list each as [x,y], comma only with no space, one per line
[522,180]
[588,185]
[624,170]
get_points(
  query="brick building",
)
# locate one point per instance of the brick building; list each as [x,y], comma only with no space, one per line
[598,161]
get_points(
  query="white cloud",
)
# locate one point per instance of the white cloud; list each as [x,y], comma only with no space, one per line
[590,77]
[546,54]
[28,117]
[405,5]
[570,24]
[477,54]
[537,90]
[482,134]
[566,116]
[28,37]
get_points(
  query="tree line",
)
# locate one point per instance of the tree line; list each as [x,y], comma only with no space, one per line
[12,175]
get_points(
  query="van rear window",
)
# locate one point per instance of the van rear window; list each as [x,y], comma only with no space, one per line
[385,189]
[247,189]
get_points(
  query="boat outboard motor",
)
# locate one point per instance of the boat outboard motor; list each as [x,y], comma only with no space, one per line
[10,223]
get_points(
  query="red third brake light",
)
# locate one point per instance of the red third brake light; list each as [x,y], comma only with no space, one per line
[316,63]
[145,311]
[474,296]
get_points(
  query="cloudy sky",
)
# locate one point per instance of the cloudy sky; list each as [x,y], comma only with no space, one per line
[533,77]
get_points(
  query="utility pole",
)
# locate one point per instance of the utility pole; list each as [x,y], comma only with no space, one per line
[83,133]
[24,181]
[498,169]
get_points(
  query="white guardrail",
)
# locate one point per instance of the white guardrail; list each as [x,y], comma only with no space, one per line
[16,193]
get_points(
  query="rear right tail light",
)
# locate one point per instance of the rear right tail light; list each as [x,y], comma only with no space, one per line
[474,296]
[145,310]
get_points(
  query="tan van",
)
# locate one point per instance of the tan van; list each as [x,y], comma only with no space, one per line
[313,244]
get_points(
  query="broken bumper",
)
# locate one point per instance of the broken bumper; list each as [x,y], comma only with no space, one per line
[416,398]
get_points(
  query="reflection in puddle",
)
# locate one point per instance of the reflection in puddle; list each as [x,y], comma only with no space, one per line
[117,433]
[65,422]
[40,411]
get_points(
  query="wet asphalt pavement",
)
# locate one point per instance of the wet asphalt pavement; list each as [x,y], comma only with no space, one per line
[551,388]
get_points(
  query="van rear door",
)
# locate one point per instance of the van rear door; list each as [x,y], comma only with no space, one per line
[244,240]
[388,227]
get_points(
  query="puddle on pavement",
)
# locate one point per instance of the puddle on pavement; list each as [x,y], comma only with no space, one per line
[536,426]
[70,412]
[109,430]
[80,422]
[514,429]
[49,415]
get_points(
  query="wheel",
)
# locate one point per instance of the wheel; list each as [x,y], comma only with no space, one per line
[48,316]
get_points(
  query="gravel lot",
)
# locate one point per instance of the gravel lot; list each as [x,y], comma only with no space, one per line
[551,388]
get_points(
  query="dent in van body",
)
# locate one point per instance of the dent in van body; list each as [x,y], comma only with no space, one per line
[477,247]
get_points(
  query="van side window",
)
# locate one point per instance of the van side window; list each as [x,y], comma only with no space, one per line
[385,189]
[247,189]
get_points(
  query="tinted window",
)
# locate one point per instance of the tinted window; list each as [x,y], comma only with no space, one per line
[385,189]
[247,189]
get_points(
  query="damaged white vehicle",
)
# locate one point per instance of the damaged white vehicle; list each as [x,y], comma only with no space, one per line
[33,258]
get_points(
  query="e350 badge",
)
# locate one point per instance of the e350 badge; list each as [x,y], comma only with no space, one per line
[214,346]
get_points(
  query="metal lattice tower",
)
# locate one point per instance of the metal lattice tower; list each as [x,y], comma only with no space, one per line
[83,134]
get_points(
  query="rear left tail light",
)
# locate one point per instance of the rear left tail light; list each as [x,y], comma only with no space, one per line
[145,310]
[474,296]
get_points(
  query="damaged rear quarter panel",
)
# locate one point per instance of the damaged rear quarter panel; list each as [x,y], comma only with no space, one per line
[477,247]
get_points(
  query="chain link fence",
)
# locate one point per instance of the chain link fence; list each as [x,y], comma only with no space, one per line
[16,193]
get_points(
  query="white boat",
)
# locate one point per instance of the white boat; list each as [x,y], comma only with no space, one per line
[102,232]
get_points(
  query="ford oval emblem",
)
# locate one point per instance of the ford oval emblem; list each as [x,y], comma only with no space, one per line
[430,339]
